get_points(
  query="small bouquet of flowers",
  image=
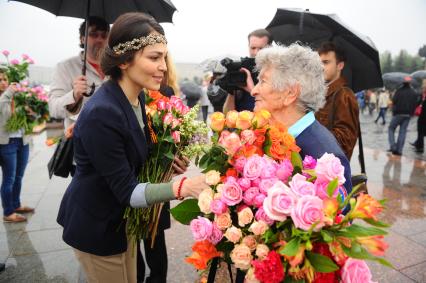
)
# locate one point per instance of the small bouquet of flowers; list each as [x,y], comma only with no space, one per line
[29,105]
[275,216]
[175,131]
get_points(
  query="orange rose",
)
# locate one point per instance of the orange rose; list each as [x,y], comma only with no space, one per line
[244,120]
[261,118]
[231,119]
[366,207]
[155,94]
[217,121]
[203,251]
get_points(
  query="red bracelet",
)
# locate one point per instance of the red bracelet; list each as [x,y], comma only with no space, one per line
[179,197]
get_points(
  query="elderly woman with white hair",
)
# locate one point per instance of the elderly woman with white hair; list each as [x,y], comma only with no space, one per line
[291,87]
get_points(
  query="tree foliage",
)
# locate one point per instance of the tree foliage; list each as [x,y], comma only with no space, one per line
[403,61]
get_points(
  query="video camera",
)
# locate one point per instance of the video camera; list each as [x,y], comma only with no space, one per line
[234,79]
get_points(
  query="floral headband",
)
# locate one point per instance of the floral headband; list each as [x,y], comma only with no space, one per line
[138,43]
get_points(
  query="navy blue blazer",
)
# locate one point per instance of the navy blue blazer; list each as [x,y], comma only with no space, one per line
[109,150]
[316,140]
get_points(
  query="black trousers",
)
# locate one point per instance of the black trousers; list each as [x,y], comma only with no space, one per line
[156,259]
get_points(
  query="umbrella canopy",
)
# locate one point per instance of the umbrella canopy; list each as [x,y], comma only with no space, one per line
[419,75]
[362,67]
[191,90]
[161,10]
[393,80]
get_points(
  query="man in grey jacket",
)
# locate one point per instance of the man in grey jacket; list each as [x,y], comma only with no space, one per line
[68,84]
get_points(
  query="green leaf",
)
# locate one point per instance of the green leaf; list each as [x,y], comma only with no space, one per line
[296,161]
[356,230]
[332,186]
[186,211]
[376,223]
[326,236]
[359,252]
[169,155]
[321,263]
[291,248]
[289,279]
[270,237]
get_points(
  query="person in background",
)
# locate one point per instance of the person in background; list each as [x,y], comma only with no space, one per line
[340,114]
[14,153]
[105,181]
[372,102]
[242,100]
[383,105]
[404,103]
[421,123]
[204,100]
[69,89]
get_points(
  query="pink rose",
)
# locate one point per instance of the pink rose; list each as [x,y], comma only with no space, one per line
[250,241]
[262,251]
[244,183]
[30,61]
[308,210]
[25,57]
[279,202]
[240,163]
[216,235]
[284,170]
[356,270]
[249,195]
[329,167]
[258,228]
[176,136]
[168,118]
[175,123]
[201,228]
[321,189]
[261,215]
[301,187]
[218,207]
[223,221]
[241,256]
[233,234]
[253,167]
[5,53]
[248,137]
[231,193]
[266,184]
[255,182]
[245,216]
[259,199]
[14,61]
[269,168]
[309,162]
[230,141]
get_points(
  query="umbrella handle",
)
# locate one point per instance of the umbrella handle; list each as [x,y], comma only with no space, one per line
[86,31]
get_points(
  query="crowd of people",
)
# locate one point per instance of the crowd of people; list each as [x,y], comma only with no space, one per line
[303,89]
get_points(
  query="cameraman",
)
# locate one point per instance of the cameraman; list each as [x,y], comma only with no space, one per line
[241,99]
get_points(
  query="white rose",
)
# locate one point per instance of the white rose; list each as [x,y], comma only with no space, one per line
[204,200]
[212,177]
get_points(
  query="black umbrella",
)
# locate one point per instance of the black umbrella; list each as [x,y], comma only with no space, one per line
[191,90]
[393,80]
[161,10]
[362,68]
[419,76]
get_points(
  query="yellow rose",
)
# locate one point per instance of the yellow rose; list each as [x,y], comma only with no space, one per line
[261,118]
[244,120]
[204,200]
[217,121]
[231,119]
[212,177]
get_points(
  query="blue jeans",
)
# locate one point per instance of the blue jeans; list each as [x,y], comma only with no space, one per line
[401,121]
[382,114]
[14,157]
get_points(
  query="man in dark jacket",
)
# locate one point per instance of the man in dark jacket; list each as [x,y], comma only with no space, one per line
[340,114]
[404,103]
[421,123]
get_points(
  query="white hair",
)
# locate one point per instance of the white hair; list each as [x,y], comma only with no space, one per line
[293,65]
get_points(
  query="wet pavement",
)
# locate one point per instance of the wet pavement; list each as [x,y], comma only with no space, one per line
[34,251]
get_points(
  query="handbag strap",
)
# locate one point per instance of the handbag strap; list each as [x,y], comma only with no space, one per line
[213,270]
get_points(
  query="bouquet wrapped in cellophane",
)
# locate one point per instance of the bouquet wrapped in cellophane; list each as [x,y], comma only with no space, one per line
[275,216]
[175,132]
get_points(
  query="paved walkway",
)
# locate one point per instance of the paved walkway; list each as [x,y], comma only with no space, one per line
[34,251]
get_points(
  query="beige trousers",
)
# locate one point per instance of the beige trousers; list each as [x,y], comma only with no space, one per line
[120,268]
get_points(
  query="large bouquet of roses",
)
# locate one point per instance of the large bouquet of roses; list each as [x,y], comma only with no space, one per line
[175,131]
[275,216]
[29,105]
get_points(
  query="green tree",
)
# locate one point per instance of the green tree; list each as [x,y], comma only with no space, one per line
[386,62]
[422,53]
[402,62]
[416,64]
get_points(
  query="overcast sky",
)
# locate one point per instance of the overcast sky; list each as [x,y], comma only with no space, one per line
[204,29]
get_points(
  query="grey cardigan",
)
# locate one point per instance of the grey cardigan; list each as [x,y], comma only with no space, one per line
[5,114]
